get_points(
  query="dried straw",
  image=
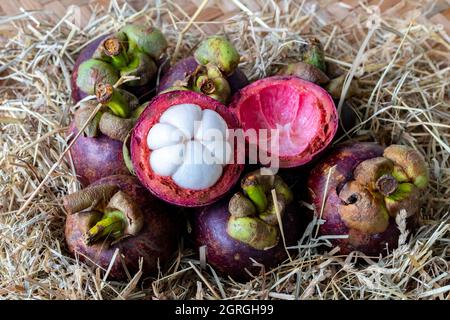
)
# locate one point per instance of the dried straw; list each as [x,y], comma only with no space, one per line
[402,67]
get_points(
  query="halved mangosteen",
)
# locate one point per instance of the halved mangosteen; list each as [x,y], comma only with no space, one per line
[180,150]
[303,112]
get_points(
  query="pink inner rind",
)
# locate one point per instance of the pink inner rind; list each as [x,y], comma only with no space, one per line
[303,112]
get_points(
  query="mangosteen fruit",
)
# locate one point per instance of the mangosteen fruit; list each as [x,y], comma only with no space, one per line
[213,70]
[134,50]
[98,150]
[180,148]
[360,188]
[245,226]
[299,118]
[117,214]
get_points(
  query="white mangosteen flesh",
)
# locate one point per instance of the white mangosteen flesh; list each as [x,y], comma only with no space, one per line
[190,145]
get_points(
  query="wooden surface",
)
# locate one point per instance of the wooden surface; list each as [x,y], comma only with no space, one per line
[435,11]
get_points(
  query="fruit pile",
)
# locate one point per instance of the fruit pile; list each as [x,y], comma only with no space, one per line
[166,141]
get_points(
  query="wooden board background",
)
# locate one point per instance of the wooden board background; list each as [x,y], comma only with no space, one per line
[435,11]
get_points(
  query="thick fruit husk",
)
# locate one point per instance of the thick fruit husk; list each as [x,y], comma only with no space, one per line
[155,243]
[231,257]
[97,157]
[164,187]
[185,67]
[305,112]
[346,157]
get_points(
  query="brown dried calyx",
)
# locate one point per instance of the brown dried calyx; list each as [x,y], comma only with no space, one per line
[381,187]
[306,72]
[254,213]
[113,214]
[117,116]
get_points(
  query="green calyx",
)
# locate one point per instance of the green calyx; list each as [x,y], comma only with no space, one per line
[208,80]
[148,40]
[115,99]
[255,191]
[253,231]
[314,55]
[141,66]
[113,50]
[127,155]
[254,213]
[402,192]
[129,52]
[218,51]
[121,218]
[115,119]
[93,71]
[111,225]
[126,142]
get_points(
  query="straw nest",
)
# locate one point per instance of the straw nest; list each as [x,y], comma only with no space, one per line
[403,71]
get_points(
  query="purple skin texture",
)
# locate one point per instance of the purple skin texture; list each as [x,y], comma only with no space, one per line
[156,242]
[187,66]
[346,158]
[231,257]
[144,93]
[97,157]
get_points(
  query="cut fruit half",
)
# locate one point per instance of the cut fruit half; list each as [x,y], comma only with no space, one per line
[300,118]
[180,149]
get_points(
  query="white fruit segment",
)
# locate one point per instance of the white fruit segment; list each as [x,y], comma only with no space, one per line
[219,151]
[165,161]
[194,173]
[168,135]
[212,127]
[190,145]
[183,116]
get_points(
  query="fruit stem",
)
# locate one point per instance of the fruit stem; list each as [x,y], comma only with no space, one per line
[206,85]
[113,99]
[387,184]
[112,224]
[114,49]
